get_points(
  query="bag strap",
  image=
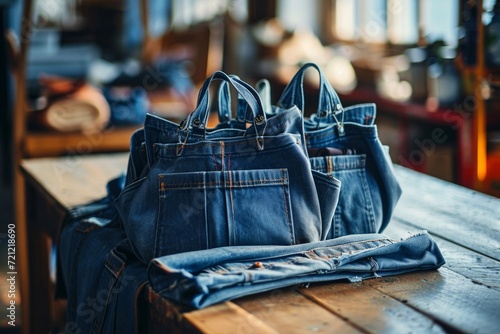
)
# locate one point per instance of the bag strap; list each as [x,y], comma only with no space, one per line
[262,86]
[196,122]
[329,104]
[224,101]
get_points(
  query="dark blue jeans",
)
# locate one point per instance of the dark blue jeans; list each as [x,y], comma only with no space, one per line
[102,277]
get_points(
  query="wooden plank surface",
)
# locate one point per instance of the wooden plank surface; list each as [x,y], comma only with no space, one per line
[454,301]
[452,212]
[287,311]
[464,296]
[451,197]
[75,180]
[370,309]
[227,318]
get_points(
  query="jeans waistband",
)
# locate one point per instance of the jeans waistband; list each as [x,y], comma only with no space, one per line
[330,164]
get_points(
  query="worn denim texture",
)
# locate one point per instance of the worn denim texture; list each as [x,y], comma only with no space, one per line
[102,207]
[203,278]
[97,269]
[225,187]
[370,190]
[102,277]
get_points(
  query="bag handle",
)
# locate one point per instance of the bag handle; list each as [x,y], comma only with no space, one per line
[329,102]
[263,88]
[196,122]
[224,101]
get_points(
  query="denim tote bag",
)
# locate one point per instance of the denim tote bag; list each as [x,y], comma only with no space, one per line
[327,195]
[344,143]
[223,187]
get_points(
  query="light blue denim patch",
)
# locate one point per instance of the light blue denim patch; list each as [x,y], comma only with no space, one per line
[203,278]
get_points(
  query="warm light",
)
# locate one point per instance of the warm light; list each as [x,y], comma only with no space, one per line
[481,156]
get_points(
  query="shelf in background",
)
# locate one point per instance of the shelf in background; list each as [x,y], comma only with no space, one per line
[415,110]
[38,144]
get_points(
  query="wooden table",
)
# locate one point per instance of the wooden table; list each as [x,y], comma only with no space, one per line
[462,296]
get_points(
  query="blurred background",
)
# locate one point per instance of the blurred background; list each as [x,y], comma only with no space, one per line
[78,76]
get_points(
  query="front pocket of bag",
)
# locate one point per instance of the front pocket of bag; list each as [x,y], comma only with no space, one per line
[200,210]
[355,211]
[328,190]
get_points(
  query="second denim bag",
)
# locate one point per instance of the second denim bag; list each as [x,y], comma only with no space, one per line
[225,187]
[344,143]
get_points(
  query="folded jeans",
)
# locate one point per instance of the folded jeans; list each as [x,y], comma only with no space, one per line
[202,278]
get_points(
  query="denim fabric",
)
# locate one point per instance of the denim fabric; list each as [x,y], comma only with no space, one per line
[100,208]
[224,187]
[83,252]
[137,162]
[327,186]
[370,190]
[366,205]
[127,108]
[226,120]
[120,282]
[203,278]
[102,276]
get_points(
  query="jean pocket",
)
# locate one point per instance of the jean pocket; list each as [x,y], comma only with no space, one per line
[200,210]
[355,213]
[328,190]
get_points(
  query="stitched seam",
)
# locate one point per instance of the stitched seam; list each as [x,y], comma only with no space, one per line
[222,155]
[158,226]
[226,144]
[330,165]
[215,161]
[228,184]
[231,188]
[368,202]
[292,239]
[114,270]
[386,241]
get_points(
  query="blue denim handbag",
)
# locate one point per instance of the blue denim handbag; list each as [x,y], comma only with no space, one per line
[328,196]
[225,187]
[370,190]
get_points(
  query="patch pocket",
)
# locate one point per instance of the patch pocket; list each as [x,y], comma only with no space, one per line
[200,210]
[355,212]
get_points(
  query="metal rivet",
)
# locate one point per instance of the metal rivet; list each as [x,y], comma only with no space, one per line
[196,122]
[257,264]
[259,119]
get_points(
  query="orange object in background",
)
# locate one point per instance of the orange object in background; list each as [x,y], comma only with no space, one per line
[492,180]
